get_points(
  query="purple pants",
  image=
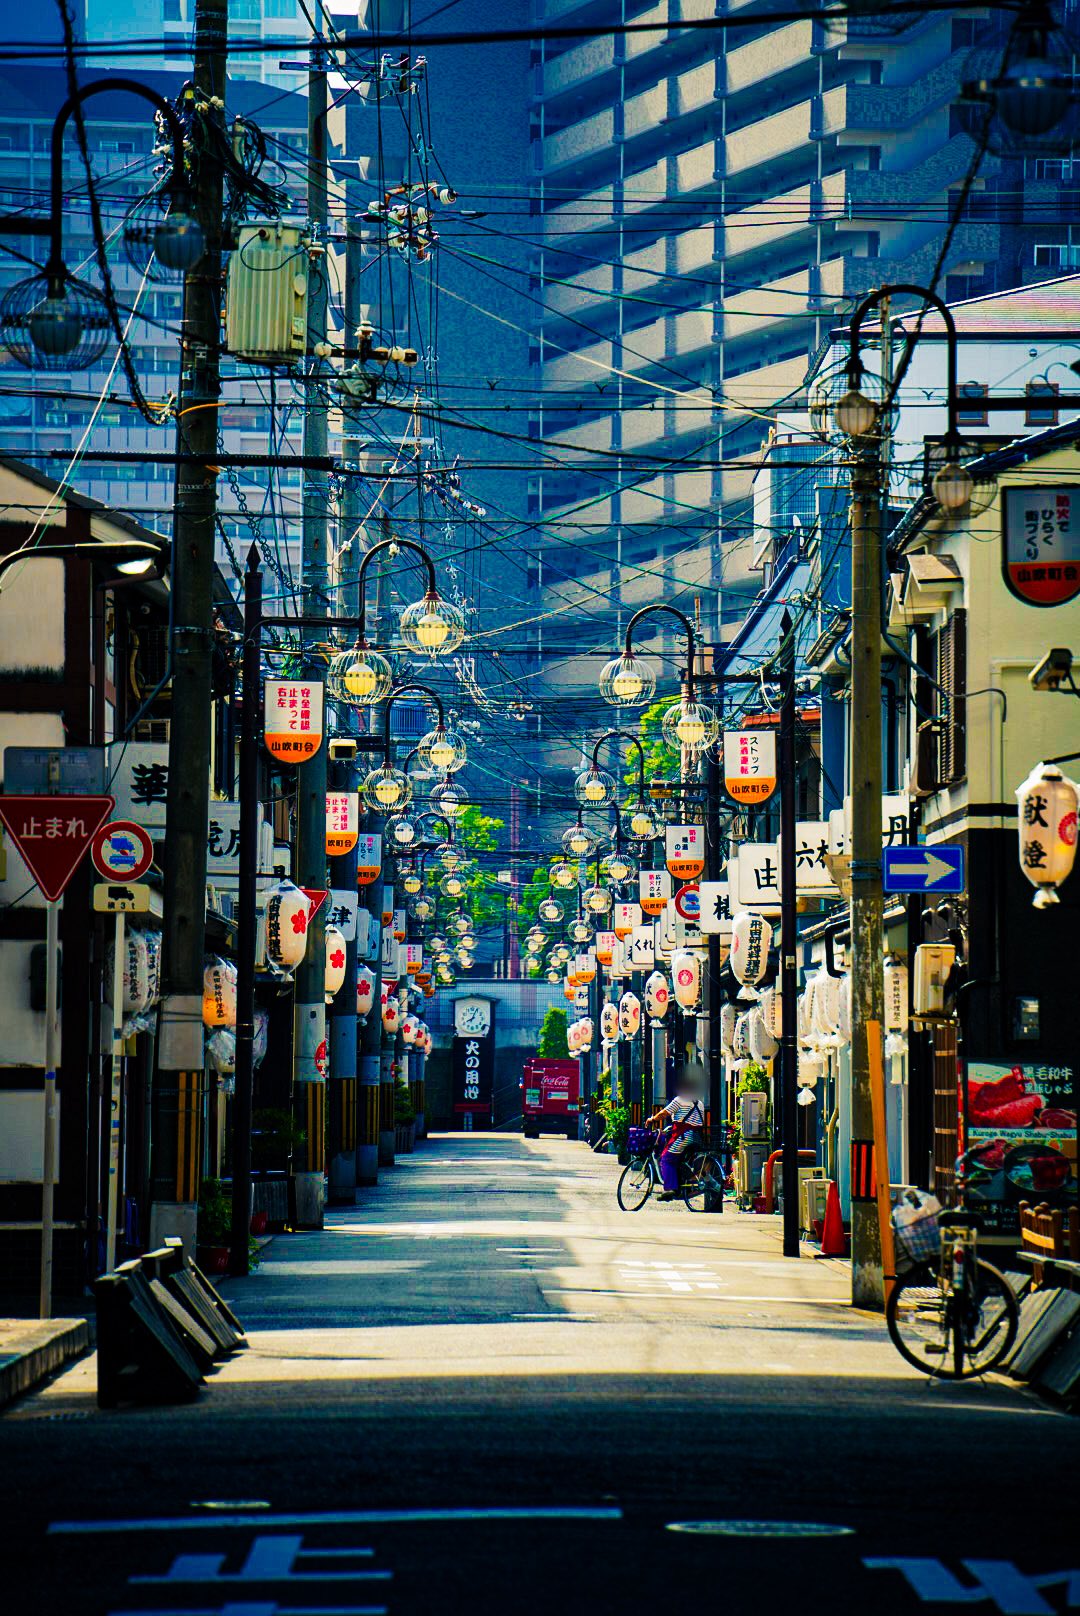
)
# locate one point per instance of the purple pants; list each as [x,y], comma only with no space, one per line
[669,1171]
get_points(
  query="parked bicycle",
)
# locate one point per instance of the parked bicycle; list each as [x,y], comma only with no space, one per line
[704,1171]
[951,1313]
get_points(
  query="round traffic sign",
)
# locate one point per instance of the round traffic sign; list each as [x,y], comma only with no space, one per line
[688,902]
[122,851]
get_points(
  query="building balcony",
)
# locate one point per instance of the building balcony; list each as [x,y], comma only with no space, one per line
[590,212]
[784,135]
[757,392]
[591,137]
[752,66]
[578,67]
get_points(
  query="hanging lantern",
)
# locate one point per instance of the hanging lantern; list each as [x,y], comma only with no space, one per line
[550,912]
[728,1017]
[448,800]
[409,1029]
[686,977]
[286,926]
[740,1038]
[629,1015]
[563,875]
[365,990]
[334,972]
[578,840]
[442,750]
[657,995]
[219,994]
[618,866]
[391,1011]
[580,930]
[751,936]
[401,831]
[587,1030]
[805,1097]
[422,908]
[1047,807]
[453,886]
[552,975]
[763,1046]
[136,965]
[594,788]
[573,1037]
[825,1020]
[412,883]
[597,900]
[896,995]
[609,1024]
[805,1013]
[811,1067]
[843,1023]
[772,1011]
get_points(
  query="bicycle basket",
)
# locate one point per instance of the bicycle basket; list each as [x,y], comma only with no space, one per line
[641,1140]
[916,1228]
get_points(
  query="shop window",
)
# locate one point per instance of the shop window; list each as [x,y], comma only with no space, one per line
[971,414]
[1041,414]
[952,677]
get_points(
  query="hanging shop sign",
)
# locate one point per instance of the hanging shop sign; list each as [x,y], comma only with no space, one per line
[414,958]
[399,925]
[642,953]
[684,851]
[342,822]
[654,890]
[1040,544]
[368,858]
[1021,1130]
[604,945]
[750,764]
[341,912]
[292,718]
[626,917]
[715,905]
[757,877]
[1046,818]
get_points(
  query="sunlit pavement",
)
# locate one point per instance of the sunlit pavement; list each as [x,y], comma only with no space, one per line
[487,1388]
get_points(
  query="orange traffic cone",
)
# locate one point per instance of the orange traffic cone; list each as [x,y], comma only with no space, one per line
[833,1239]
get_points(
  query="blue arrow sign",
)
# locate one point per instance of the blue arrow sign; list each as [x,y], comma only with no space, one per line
[923,869]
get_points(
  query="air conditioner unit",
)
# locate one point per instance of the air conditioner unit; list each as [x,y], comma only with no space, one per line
[812,1202]
[266,299]
[933,963]
[752,1159]
[753,1115]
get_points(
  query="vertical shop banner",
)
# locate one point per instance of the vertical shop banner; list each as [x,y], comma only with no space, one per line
[414,957]
[292,718]
[684,851]
[604,943]
[342,822]
[368,858]
[473,1076]
[642,957]
[1040,544]
[750,764]
[654,890]
[1021,1127]
[715,902]
[342,911]
[625,918]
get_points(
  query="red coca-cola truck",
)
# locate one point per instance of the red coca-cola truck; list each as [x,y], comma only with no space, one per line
[550,1097]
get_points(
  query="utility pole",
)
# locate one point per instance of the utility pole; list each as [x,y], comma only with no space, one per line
[309,1014]
[867,937]
[177,1101]
[714,1056]
[342,1095]
[789,1060]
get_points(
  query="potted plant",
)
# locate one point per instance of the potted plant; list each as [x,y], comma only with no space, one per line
[404,1119]
[214,1227]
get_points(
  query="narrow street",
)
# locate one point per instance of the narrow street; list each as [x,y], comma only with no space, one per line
[489,1389]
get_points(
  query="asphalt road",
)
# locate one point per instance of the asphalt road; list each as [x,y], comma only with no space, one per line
[488,1390]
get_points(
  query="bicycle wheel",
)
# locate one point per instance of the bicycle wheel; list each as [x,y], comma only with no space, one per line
[953,1337]
[703,1181]
[635,1184]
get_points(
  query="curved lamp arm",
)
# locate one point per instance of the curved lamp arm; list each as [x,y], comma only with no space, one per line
[387,544]
[178,184]
[871,301]
[399,690]
[632,740]
[688,630]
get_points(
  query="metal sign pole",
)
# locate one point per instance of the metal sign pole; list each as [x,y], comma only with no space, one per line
[119,944]
[52,1043]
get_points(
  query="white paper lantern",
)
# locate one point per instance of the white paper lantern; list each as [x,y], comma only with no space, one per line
[896,995]
[586,1035]
[365,990]
[409,1029]
[763,1045]
[805,1012]
[137,977]
[686,977]
[286,926]
[572,1035]
[334,970]
[751,936]
[629,1015]
[219,994]
[826,1004]
[153,953]
[805,1097]
[772,1011]
[843,1024]
[728,1017]
[609,1023]
[811,1067]
[740,1038]
[391,1011]
[1046,813]
[657,995]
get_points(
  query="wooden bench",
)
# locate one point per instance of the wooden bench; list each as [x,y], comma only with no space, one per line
[1050,1242]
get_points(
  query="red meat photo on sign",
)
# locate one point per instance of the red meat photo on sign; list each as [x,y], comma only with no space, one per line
[1022,1135]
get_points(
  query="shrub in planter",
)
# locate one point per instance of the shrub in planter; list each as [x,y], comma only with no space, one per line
[275,1134]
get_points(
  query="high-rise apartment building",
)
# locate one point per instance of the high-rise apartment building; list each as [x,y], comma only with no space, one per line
[712,203]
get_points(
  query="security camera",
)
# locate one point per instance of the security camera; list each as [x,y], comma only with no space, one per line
[343,749]
[1051,669]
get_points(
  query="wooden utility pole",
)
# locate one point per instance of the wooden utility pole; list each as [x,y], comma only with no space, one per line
[177,1102]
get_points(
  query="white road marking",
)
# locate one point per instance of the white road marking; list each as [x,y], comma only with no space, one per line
[336,1517]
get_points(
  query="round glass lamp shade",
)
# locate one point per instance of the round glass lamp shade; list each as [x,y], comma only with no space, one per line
[442,749]
[534,945]
[387,790]
[594,788]
[437,943]
[691,725]
[578,841]
[597,900]
[619,867]
[450,856]
[642,823]
[433,627]
[467,940]
[449,800]
[452,886]
[549,910]
[359,677]
[422,908]
[627,681]
[553,975]
[563,875]
[178,238]
[579,931]
[460,924]
[401,831]
[412,883]
[952,487]
[46,324]
[856,415]
[559,954]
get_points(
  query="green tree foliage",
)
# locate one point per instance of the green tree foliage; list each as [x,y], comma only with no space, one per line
[478,833]
[552,1041]
[662,761]
[530,897]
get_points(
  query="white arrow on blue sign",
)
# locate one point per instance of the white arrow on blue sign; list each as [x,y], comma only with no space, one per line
[923,869]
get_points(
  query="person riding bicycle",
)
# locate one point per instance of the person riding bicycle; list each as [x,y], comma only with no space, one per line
[679,1119]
